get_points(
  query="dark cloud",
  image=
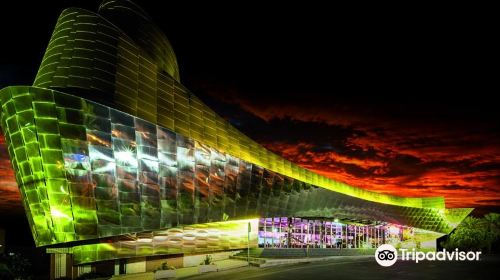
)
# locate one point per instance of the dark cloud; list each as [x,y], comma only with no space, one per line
[491,201]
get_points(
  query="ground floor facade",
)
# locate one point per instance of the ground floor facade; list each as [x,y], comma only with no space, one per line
[295,232]
[275,237]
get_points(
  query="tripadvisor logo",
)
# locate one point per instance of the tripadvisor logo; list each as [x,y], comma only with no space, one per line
[387,255]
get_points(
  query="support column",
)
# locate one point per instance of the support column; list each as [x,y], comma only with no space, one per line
[280,236]
[332,241]
[365,236]
[383,235]
[265,232]
[370,236]
[322,234]
[355,241]
[313,235]
[360,236]
[303,238]
[378,236]
[346,235]
[289,232]
[374,237]
[272,232]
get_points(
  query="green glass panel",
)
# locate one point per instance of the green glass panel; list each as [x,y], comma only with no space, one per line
[23,103]
[29,134]
[45,110]
[49,126]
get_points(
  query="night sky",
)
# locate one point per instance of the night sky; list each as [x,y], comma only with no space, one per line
[395,104]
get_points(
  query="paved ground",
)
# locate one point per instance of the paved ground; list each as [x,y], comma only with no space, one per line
[366,269]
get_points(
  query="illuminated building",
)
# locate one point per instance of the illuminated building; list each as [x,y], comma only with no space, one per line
[116,159]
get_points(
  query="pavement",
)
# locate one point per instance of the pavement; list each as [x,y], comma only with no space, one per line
[364,268]
[230,264]
[222,265]
[268,262]
[342,267]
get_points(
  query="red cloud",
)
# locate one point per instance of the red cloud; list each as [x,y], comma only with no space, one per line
[11,198]
[411,157]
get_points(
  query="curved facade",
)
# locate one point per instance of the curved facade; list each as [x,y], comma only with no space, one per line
[91,57]
[107,144]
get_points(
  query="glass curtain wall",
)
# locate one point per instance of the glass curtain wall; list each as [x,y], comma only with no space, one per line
[291,232]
